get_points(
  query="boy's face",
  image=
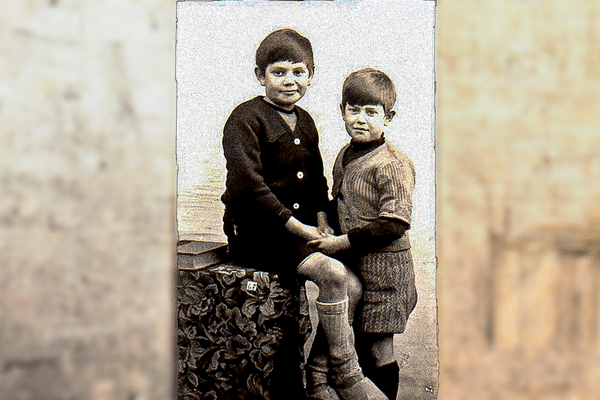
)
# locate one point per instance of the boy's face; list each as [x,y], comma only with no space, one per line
[285,82]
[365,123]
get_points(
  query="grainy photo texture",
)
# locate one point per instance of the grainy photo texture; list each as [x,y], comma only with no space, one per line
[88,180]
[305,207]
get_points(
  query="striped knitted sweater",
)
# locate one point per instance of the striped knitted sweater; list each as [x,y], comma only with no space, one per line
[378,184]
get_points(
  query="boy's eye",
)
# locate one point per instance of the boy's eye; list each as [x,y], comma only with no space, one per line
[299,72]
[278,73]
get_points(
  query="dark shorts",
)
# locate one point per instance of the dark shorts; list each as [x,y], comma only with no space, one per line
[389,291]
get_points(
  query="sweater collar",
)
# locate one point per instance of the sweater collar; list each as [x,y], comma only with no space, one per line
[366,146]
[276,126]
[279,109]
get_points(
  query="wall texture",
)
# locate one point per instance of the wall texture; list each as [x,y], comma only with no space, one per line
[518,228]
[87,173]
[87,177]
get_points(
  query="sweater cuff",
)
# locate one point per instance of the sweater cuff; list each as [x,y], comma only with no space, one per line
[354,237]
[377,234]
[284,215]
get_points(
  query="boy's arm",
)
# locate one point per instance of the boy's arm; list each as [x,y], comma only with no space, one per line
[331,244]
[377,234]
[304,231]
[395,184]
[365,239]
[244,169]
[320,190]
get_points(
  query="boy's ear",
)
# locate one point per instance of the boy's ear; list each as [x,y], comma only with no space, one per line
[260,75]
[389,117]
[342,108]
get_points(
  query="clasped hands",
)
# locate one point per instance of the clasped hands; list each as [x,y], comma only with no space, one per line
[328,243]
[320,237]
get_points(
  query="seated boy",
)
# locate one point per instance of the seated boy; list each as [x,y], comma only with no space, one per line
[275,197]
[373,185]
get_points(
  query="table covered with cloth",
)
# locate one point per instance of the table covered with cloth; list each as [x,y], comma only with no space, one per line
[231,323]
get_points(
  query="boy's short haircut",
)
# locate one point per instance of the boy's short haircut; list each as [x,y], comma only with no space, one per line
[284,45]
[369,86]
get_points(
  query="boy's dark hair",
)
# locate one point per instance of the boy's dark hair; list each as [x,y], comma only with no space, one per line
[369,86]
[284,45]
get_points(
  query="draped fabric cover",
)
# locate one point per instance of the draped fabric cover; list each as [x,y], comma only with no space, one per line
[230,323]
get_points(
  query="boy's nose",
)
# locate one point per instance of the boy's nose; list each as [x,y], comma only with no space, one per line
[288,79]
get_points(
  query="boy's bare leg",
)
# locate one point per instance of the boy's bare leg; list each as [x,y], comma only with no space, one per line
[318,386]
[334,286]
[383,351]
[332,278]
[354,295]
[381,365]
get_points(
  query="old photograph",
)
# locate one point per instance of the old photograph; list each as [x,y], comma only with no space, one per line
[306,200]
[257,199]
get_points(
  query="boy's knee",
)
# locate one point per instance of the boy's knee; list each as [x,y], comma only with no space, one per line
[333,273]
[324,271]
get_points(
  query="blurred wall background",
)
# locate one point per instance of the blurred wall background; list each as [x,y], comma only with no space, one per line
[87,181]
[518,229]
[87,173]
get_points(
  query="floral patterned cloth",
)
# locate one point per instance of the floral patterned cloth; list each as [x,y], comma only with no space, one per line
[230,326]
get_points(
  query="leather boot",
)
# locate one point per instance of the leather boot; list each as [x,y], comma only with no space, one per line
[317,382]
[317,370]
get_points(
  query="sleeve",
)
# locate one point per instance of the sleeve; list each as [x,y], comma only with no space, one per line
[321,188]
[245,172]
[395,183]
[376,234]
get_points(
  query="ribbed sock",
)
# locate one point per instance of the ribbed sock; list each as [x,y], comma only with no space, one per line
[345,370]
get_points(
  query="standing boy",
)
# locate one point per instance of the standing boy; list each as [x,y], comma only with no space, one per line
[275,198]
[373,185]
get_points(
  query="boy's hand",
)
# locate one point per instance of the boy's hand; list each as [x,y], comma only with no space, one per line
[325,230]
[306,232]
[330,244]
[311,233]
[323,224]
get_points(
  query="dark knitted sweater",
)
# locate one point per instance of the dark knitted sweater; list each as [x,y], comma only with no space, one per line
[272,173]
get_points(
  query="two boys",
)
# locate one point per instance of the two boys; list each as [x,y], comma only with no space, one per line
[276,200]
